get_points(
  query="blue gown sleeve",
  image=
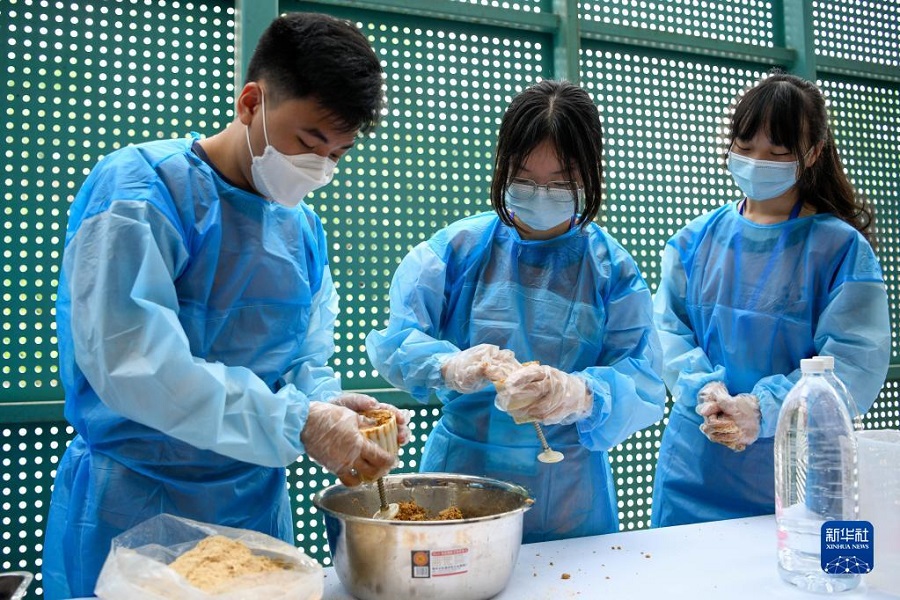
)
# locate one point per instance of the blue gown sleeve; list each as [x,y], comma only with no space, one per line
[629,394]
[407,353]
[855,329]
[686,367]
[121,265]
[309,371]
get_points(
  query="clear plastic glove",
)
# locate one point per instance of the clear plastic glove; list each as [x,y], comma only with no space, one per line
[500,367]
[708,397]
[332,439]
[361,403]
[542,393]
[472,369]
[736,424]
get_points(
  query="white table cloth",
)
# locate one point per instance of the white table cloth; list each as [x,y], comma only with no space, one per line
[731,560]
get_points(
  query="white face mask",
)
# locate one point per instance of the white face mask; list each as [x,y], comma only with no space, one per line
[287,179]
[543,210]
[762,179]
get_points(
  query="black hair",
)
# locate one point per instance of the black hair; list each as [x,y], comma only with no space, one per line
[312,55]
[565,115]
[792,112]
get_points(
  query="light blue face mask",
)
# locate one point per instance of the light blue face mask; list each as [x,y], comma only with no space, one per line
[543,210]
[762,179]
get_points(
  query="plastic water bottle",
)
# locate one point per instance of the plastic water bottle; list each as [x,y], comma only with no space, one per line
[815,478]
[842,391]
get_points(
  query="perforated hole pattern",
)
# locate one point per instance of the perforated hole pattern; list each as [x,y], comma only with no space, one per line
[82,80]
[740,21]
[857,30]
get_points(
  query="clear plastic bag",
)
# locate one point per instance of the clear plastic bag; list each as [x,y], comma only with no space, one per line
[137,565]
[879,503]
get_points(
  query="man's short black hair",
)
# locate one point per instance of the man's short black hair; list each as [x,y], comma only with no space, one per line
[311,55]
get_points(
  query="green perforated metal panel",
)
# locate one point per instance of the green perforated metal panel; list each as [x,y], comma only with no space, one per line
[866,121]
[661,117]
[858,31]
[29,453]
[747,22]
[83,79]
[523,5]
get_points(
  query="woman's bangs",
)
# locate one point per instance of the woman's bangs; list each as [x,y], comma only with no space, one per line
[751,116]
[771,109]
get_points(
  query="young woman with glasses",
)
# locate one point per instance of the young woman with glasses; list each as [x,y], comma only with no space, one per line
[530,313]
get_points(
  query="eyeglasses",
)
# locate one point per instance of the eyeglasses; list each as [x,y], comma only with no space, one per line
[559,191]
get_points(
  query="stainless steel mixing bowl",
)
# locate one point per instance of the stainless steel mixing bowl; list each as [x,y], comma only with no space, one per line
[468,559]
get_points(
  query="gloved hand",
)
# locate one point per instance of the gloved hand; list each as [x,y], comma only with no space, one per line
[736,422]
[332,439]
[714,424]
[467,370]
[500,367]
[542,393]
[710,393]
[361,403]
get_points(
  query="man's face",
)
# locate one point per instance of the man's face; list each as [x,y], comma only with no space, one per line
[293,126]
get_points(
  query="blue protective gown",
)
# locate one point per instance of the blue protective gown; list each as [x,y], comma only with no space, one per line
[194,323]
[743,303]
[577,303]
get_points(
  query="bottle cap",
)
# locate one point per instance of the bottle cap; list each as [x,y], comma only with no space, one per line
[828,360]
[812,365]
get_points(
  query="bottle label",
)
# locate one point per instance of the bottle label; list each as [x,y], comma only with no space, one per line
[848,547]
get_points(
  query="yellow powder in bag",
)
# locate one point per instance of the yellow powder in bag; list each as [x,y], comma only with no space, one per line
[216,560]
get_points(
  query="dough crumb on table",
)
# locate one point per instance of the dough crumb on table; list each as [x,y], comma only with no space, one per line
[216,560]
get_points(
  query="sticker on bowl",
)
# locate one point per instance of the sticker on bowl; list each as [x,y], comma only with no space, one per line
[439,563]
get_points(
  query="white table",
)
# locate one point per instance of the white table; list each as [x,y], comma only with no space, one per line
[731,560]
